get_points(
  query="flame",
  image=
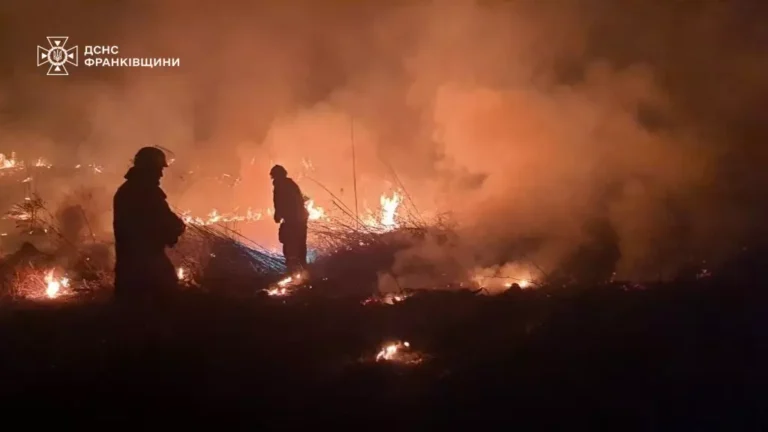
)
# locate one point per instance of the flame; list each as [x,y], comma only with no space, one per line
[315,213]
[389,299]
[390,351]
[498,279]
[6,162]
[277,292]
[285,281]
[215,217]
[42,163]
[389,210]
[181,273]
[283,286]
[399,352]
[20,216]
[53,285]
[291,280]
[386,220]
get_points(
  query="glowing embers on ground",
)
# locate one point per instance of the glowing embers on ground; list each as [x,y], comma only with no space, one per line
[287,285]
[387,299]
[399,352]
[498,279]
[185,276]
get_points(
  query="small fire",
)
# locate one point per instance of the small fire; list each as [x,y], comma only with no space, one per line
[7,163]
[389,299]
[315,213]
[284,285]
[387,218]
[53,285]
[287,281]
[215,217]
[42,163]
[499,279]
[389,210]
[399,352]
[390,351]
[181,273]
[21,215]
[277,292]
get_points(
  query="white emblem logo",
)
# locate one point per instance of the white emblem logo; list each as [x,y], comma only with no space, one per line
[56,55]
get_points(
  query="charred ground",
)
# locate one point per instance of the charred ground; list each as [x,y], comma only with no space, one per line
[685,354]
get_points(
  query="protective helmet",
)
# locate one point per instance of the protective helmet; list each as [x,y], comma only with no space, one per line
[150,157]
[278,171]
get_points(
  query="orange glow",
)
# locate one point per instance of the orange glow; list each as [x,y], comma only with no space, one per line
[53,285]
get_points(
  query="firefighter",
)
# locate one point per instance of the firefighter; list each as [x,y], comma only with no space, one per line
[144,226]
[292,216]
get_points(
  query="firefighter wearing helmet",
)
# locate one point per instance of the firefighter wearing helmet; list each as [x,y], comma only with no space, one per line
[292,216]
[144,225]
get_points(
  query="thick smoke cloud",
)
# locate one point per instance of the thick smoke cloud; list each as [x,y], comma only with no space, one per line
[567,122]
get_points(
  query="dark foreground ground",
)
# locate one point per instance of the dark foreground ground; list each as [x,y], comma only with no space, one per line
[685,356]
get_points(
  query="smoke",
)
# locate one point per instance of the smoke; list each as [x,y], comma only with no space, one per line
[574,123]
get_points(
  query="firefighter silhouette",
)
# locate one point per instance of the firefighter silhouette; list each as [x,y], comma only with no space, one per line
[144,225]
[292,216]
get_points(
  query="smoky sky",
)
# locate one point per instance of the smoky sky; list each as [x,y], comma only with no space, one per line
[519,117]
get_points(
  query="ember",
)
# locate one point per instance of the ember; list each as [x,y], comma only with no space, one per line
[277,292]
[388,299]
[285,286]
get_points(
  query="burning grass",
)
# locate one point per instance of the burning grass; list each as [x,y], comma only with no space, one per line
[400,353]
[354,249]
[40,284]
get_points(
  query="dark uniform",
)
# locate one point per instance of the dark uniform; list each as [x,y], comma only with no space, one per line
[292,216]
[144,226]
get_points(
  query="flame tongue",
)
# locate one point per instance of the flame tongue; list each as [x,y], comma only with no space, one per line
[400,353]
[284,286]
[315,213]
[53,285]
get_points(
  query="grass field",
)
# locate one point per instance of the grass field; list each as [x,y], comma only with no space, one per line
[668,357]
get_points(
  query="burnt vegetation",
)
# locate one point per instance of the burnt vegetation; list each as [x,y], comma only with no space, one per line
[570,231]
[570,351]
